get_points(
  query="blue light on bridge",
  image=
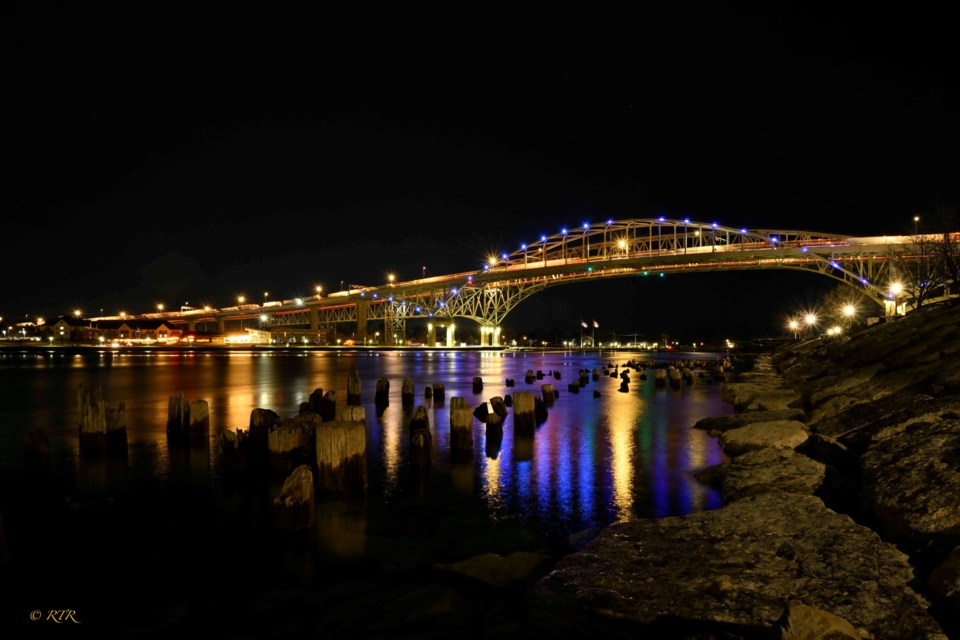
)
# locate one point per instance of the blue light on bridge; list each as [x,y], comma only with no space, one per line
[834,264]
[774,239]
[563,231]
[803,249]
[661,274]
[609,220]
[586,225]
[686,221]
[453,291]
[662,219]
[486,267]
[646,273]
[503,255]
[390,299]
[523,246]
[589,269]
[743,230]
[441,303]
[714,224]
[543,238]
[864,281]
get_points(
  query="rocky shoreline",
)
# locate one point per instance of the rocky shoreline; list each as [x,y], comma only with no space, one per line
[841,515]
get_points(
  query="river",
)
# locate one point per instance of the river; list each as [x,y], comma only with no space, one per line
[161,511]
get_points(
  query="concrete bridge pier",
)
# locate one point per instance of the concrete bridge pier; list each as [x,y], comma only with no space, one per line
[361,335]
[432,334]
[191,326]
[221,325]
[489,336]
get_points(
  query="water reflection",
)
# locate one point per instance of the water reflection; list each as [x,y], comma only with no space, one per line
[594,460]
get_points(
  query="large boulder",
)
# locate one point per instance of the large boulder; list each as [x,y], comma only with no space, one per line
[758,435]
[734,569]
[763,470]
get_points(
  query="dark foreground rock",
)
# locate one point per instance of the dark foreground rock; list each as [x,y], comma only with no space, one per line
[735,569]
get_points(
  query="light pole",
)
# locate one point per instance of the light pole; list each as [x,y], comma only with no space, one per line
[423,271]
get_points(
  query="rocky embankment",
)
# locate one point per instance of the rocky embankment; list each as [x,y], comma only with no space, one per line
[842,506]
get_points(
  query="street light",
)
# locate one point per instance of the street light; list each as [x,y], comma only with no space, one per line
[916,219]
[795,327]
[896,288]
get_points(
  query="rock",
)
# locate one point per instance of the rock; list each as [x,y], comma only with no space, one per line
[725,423]
[779,433]
[734,568]
[763,470]
[809,623]
[499,571]
[294,507]
[912,481]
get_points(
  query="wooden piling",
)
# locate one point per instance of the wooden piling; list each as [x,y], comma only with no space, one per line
[295,507]
[328,406]
[660,378]
[316,400]
[481,412]
[499,407]
[461,432]
[477,384]
[261,421]
[199,423]
[673,374]
[341,457]
[406,391]
[289,444]
[548,393]
[529,377]
[421,442]
[353,387]
[524,417]
[540,409]
[438,392]
[383,391]
[178,416]
[102,429]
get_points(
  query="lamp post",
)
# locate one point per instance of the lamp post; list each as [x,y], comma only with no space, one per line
[795,327]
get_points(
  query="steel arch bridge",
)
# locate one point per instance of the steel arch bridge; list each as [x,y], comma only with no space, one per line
[613,249]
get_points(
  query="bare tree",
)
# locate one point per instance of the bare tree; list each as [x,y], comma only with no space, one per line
[844,306]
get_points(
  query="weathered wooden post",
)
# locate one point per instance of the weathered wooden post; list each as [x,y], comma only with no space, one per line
[477,384]
[382,398]
[499,407]
[421,442]
[316,401]
[295,507]
[328,406]
[481,412]
[178,417]
[102,428]
[342,453]
[529,377]
[383,391]
[540,409]
[549,394]
[674,375]
[353,387]
[584,377]
[458,402]
[261,421]
[289,443]
[438,392]
[573,387]
[199,423]
[660,378]
[494,435]
[688,375]
[461,433]
[595,375]
[524,416]
[406,391]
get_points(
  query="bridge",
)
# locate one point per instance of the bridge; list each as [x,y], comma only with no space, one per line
[612,249]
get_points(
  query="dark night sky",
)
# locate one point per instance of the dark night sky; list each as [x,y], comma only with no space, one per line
[168,153]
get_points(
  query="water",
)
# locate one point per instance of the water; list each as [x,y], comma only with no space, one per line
[168,513]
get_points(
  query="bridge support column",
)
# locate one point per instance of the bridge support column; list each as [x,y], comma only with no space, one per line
[221,325]
[361,335]
[431,335]
[451,342]
[191,326]
[489,336]
[314,320]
